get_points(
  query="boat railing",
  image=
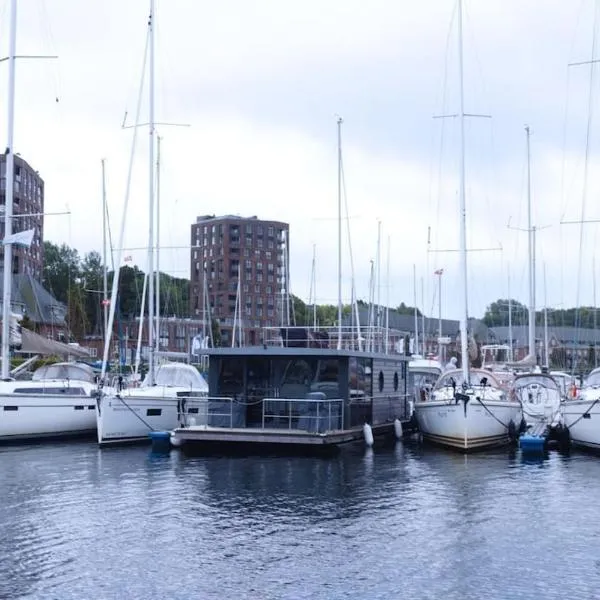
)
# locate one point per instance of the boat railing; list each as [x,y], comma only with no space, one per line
[303,414]
[315,415]
[356,339]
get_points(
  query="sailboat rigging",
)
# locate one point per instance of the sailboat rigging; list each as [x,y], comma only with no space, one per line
[456,413]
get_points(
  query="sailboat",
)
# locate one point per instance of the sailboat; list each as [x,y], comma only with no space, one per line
[165,398]
[467,408]
[59,399]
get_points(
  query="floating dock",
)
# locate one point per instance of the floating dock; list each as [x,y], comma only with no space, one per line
[202,435]
[535,439]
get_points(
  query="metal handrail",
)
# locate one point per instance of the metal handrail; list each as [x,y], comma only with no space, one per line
[290,414]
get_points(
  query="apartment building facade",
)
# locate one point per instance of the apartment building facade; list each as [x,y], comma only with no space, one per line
[239,275]
[29,202]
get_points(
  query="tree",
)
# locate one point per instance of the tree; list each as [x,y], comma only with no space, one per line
[496,314]
[92,276]
[61,269]
[301,313]
[216,332]
[27,323]
[403,309]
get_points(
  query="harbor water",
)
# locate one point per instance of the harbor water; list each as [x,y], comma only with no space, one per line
[402,522]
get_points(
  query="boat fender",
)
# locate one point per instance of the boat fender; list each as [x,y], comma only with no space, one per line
[176,442]
[522,425]
[368,433]
[513,434]
[398,429]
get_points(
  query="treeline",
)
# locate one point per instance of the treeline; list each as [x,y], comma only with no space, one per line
[496,315]
[78,282]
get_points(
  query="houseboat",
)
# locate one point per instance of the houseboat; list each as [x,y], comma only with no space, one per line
[300,389]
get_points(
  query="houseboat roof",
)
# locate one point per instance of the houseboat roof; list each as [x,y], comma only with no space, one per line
[268,351]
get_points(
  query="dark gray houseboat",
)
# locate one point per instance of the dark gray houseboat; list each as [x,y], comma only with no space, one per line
[297,390]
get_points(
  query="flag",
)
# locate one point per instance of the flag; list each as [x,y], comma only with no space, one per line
[23,238]
[438,272]
[128,258]
[105,302]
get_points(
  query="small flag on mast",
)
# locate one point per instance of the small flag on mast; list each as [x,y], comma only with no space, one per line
[438,272]
[23,238]
[128,258]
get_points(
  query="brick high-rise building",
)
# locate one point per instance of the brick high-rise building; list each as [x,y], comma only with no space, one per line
[28,200]
[222,248]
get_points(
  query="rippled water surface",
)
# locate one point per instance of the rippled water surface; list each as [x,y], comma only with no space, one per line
[405,522]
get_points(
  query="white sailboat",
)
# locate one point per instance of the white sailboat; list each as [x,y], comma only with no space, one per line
[467,409]
[581,415]
[167,393]
[59,400]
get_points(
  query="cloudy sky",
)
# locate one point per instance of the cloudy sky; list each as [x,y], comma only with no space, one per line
[260,83]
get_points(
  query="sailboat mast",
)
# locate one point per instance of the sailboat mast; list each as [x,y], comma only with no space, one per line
[416,311]
[10,183]
[464,349]
[157,345]
[313,291]
[424,351]
[546,347]
[339,133]
[151,198]
[104,268]
[531,337]
[510,331]
[387,299]
[378,263]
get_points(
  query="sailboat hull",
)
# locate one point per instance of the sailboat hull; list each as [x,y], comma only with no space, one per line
[582,417]
[466,427]
[130,417]
[31,417]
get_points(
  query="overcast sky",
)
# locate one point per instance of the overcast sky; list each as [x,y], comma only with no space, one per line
[260,82]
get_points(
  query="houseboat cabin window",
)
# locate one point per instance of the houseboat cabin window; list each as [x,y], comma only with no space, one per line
[360,388]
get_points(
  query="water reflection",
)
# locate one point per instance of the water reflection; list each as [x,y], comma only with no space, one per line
[403,521]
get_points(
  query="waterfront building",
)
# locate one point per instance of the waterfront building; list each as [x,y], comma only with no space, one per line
[239,262]
[28,202]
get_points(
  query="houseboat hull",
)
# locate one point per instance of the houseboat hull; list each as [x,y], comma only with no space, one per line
[234,440]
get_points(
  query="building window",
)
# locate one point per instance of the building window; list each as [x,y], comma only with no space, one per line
[259,277]
[259,266]
[248,264]
[246,288]
[257,289]
[268,255]
[271,232]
